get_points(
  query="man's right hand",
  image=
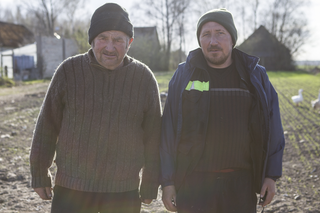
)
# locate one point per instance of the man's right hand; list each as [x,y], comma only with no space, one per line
[44,193]
[169,198]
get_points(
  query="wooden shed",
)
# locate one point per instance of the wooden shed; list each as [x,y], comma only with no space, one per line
[146,46]
[273,55]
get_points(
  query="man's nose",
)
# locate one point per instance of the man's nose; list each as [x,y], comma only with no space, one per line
[109,46]
[213,40]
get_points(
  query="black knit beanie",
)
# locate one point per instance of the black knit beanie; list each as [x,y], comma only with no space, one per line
[110,16]
[221,16]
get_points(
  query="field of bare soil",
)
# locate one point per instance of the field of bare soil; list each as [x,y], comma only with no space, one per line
[298,189]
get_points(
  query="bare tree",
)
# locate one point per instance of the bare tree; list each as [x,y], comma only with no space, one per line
[6,15]
[180,32]
[288,23]
[202,6]
[248,13]
[285,19]
[72,9]
[47,12]
[164,13]
[255,6]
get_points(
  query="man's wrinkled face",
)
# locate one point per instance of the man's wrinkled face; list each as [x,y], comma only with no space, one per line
[216,44]
[110,47]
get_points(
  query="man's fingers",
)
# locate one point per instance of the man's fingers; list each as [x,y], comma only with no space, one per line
[269,198]
[44,193]
[268,187]
[263,191]
[169,205]
[169,198]
[147,201]
[49,192]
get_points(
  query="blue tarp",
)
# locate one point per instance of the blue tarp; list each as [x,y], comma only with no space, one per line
[23,62]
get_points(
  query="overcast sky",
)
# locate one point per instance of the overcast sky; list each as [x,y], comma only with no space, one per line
[309,52]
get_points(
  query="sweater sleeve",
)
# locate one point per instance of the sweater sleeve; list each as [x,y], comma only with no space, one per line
[46,131]
[151,126]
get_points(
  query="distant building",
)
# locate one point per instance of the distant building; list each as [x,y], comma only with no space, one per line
[146,46]
[28,57]
[12,36]
[51,51]
[31,57]
[273,55]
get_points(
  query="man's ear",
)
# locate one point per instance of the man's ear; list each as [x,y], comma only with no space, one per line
[130,41]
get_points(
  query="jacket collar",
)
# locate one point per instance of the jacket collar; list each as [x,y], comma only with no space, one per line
[245,64]
[197,60]
[248,61]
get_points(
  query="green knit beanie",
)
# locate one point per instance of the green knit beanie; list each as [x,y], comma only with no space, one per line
[221,16]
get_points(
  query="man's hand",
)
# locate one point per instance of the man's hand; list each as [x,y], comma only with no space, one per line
[269,186]
[169,198]
[146,201]
[44,193]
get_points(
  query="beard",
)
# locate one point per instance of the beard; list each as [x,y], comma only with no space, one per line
[218,58]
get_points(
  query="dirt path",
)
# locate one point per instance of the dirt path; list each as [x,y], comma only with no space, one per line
[298,190]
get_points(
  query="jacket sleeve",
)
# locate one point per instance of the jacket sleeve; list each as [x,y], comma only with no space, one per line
[46,131]
[276,137]
[151,127]
[169,141]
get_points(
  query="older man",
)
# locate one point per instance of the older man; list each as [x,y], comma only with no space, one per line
[222,138]
[101,117]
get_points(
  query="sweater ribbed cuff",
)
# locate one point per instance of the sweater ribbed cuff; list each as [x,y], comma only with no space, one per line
[41,181]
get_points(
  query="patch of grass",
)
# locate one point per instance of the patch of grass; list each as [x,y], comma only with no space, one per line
[6,82]
[163,79]
[301,121]
[36,81]
[286,74]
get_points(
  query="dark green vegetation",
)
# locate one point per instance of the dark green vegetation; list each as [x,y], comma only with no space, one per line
[301,123]
[6,82]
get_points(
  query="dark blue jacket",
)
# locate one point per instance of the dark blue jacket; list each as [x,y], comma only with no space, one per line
[267,133]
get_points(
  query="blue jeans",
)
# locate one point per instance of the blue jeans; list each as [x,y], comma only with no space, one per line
[71,201]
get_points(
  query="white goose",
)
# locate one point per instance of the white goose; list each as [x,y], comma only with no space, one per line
[316,103]
[297,98]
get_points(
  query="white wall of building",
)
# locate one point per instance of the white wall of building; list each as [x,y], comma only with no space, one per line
[30,50]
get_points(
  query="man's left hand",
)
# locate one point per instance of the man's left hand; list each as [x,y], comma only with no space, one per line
[146,201]
[269,187]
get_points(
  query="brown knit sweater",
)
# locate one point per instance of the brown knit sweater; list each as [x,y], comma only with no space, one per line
[103,125]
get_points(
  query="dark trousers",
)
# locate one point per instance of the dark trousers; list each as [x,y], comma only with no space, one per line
[209,192]
[72,201]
